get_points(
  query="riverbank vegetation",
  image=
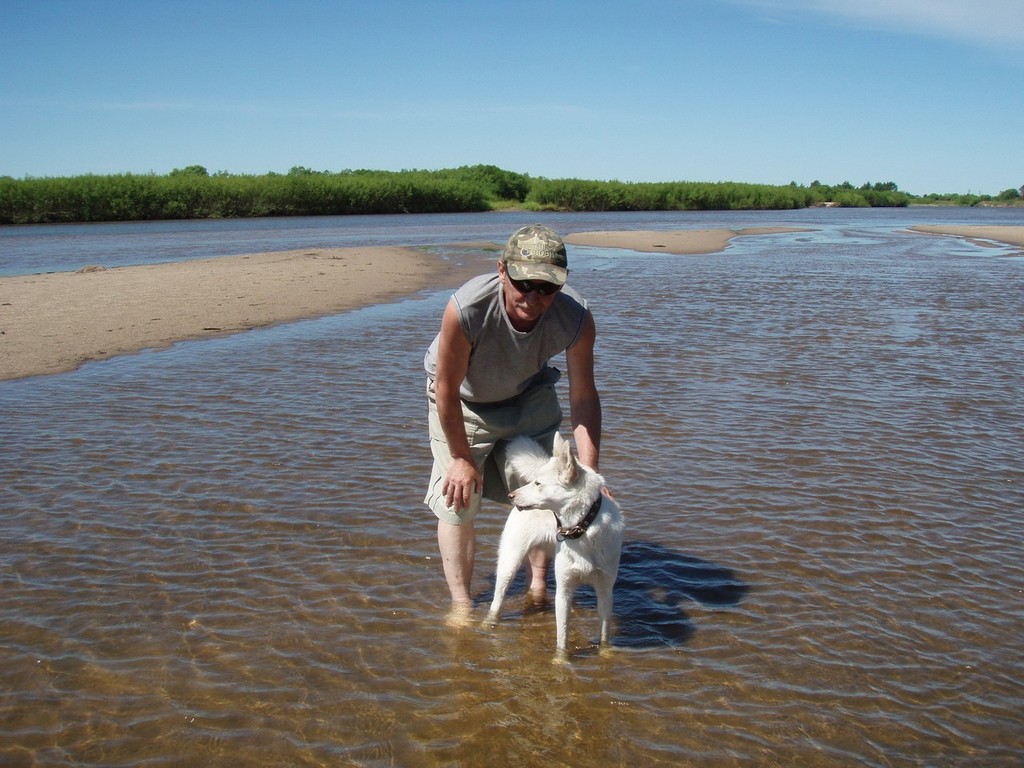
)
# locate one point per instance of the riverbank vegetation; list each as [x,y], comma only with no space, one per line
[194,193]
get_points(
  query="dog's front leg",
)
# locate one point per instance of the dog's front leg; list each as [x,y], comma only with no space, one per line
[563,604]
[565,590]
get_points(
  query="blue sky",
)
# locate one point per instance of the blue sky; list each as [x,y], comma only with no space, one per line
[926,93]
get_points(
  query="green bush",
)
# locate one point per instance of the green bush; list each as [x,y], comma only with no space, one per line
[582,195]
[192,192]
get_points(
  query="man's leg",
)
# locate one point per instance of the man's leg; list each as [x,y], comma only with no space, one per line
[537,575]
[456,536]
[457,544]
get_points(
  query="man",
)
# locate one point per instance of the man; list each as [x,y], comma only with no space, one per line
[489,380]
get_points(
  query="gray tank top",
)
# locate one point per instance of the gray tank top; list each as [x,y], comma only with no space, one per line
[505,362]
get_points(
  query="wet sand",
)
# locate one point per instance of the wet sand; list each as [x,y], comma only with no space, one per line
[687,241]
[52,323]
[1000,234]
[55,322]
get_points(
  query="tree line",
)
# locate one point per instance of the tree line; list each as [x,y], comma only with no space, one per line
[194,193]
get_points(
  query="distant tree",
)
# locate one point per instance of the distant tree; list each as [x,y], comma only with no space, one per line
[505,185]
[1010,194]
[191,170]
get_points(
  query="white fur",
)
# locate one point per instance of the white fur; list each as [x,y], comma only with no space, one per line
[560,484]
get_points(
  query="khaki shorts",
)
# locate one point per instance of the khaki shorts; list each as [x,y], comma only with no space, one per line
[535,413]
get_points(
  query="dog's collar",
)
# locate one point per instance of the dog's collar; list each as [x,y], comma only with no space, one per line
[581,527]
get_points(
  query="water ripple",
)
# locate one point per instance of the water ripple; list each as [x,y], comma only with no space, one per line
[217,553]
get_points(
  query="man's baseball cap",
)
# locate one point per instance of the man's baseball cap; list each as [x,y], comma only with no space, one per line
[536,252]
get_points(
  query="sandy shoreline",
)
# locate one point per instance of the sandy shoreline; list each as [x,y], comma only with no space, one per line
[1001,234]
[683,242]
[55,322]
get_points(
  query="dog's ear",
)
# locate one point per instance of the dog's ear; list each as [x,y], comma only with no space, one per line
[568,469]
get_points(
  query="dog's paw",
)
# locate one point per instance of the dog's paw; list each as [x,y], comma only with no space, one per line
[561,658]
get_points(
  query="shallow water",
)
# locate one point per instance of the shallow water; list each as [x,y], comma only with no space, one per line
[68,247]
[216,553]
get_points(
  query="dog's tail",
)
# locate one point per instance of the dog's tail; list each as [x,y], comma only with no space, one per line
[526,457]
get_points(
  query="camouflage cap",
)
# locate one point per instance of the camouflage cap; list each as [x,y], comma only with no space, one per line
[536,252]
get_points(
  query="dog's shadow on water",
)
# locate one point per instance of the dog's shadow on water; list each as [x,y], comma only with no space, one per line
[651,592]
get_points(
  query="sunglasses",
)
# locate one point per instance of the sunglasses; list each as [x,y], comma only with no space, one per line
[529,286]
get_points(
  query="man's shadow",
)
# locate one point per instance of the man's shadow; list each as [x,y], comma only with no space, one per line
[653,585]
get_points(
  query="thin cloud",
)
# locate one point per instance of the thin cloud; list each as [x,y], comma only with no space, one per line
[987,22]
[146,106]
[258,109]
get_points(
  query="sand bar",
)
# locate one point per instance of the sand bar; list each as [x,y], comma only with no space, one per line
[1000,234]
[54,322]
[682,241]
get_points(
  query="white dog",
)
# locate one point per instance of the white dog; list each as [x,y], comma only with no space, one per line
[564,510]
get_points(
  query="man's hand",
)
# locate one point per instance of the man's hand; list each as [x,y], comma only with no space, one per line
[461,482]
